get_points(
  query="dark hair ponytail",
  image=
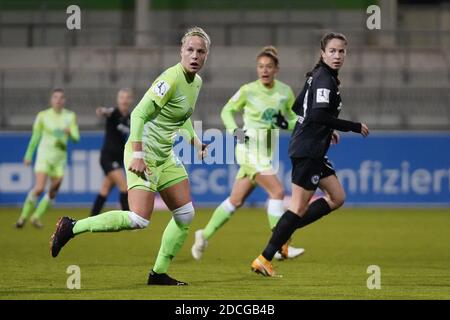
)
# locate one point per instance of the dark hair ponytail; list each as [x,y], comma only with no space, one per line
[323,44]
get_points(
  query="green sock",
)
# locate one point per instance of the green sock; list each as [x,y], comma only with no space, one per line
[110,221]
[218,219]
[273,220]
[28,206]
[42,207]
[171,242]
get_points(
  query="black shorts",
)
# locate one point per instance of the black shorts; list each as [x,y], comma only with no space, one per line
[307,172]
[110,162]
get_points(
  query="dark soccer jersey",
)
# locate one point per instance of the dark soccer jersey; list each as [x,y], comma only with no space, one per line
[117,129]
[309,138]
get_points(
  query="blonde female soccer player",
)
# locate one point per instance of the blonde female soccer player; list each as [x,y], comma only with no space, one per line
[151,163]
[266,105]
[52,130]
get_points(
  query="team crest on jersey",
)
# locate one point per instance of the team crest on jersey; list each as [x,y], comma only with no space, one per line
[315,179]
[323,95]
[268,114]
[160,88]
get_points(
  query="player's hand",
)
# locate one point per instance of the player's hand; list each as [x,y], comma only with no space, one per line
[335,137]
[364,130]
[138,167]
[67,131]
[240,135]
[203,152]
[99,111]
[26,162]
[280,121]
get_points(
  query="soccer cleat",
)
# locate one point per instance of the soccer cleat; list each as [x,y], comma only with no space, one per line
[37,223]
[20,223]
[163,279]
[199,246]
[263,266]
[288,252]
[62,235]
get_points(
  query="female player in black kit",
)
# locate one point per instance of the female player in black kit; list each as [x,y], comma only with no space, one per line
[318,107]
[111,159]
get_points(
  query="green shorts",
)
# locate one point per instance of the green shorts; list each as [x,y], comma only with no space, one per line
[165,175]
[251,164]
[52,169]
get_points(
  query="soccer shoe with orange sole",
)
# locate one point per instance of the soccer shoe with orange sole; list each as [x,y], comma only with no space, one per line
[263,266]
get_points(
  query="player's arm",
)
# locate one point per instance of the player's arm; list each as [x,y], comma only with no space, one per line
[187,130]
[323,90]
[74,132]
[286,118]
[35,138]
[150,105]
[235,104]
[104,112]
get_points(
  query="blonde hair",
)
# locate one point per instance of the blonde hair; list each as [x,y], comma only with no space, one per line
[199,32]
[271,52]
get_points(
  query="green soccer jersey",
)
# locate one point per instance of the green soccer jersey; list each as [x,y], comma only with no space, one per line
[259,104]
[162,112]
[49,133]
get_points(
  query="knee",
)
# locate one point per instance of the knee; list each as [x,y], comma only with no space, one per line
[137,222]
[277,193]
[52,193]
[338,200]
[38,191]
[184,214]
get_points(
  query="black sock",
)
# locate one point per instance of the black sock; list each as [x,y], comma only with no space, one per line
[316,210]
[98,205]
[281,233]
[124,201]
[290,222]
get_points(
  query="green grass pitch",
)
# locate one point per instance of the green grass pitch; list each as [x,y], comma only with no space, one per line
[411,246]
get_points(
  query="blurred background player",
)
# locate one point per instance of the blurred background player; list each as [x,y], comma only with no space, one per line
[266,104]
[117,128]
[318,106]
[52,129]
[152,165]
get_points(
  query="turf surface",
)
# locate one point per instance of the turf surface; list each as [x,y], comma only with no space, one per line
[411,246]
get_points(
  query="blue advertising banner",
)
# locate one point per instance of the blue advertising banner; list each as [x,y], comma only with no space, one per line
[383,169]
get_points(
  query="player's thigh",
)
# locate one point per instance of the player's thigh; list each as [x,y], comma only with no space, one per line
[300,199]
[271,184]
[242,188]
[141,202]
[40,181]
[177,195]
[118,178]
[335,193]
